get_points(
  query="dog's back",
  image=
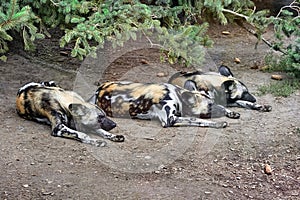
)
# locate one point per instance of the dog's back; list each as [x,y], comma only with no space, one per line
[126,99]
[36,101]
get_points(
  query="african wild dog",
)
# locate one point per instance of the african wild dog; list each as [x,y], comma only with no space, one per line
[223,86]
[68,114]
[172,105]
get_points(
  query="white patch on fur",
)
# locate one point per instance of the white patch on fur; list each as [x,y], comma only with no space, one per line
[32,84]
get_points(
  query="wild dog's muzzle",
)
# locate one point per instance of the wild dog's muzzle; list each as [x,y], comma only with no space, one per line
[106,123]
[248,97]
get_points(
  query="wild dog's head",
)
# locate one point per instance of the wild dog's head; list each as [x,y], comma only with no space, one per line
[196,103]
[234,89]
[90,117]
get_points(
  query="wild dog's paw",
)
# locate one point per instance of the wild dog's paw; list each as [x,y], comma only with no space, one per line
[233,115]
[118,138]
[266,108]
[221,124]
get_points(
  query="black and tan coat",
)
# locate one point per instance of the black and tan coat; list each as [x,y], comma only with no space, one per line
[172,105]
[67,113]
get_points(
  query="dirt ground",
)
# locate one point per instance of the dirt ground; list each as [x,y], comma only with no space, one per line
[152,163]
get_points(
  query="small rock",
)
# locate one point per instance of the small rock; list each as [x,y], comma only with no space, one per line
[225,185]
[268,169]
[161,74]
[64,53]
[47,193]
[237,60]
[25,185]
[143,61]
[147,157]
[225,32]
[276,77]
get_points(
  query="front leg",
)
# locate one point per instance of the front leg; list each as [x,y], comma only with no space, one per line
[110,136]
[253,106]
[168,119]
[191,121]
[220,111]
[61,130]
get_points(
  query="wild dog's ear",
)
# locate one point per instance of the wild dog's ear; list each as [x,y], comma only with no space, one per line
[228,85]
[190,85]
[188,98]
[225,71]
[78,109]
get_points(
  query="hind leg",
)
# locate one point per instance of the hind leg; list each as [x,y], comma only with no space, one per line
[169,119]
[187,121]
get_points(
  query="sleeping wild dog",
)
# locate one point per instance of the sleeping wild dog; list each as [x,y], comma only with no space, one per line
[67,113]
[223,86]
[172,105]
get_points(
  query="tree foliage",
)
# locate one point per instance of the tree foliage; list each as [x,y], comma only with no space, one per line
[180,23]
[287,38]
[21,19]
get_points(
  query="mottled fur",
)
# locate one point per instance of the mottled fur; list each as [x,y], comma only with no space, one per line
[67,113]
[223,86]
[172,105]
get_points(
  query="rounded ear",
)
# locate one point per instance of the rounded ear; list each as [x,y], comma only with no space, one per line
[228,85]
[78,109]
[190,85]
[225,71]
[188,98]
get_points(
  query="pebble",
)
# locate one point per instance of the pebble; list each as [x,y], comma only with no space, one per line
[225,32]
[276,77]
[268,169]
[147,157]
[161,74]
[237,60]
[143,61]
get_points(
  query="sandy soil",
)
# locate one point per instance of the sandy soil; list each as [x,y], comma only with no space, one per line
[153,163]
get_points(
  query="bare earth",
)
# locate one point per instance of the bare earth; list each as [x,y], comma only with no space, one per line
[153,163]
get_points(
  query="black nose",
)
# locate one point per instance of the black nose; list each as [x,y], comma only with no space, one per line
[107,124]
[248,97]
